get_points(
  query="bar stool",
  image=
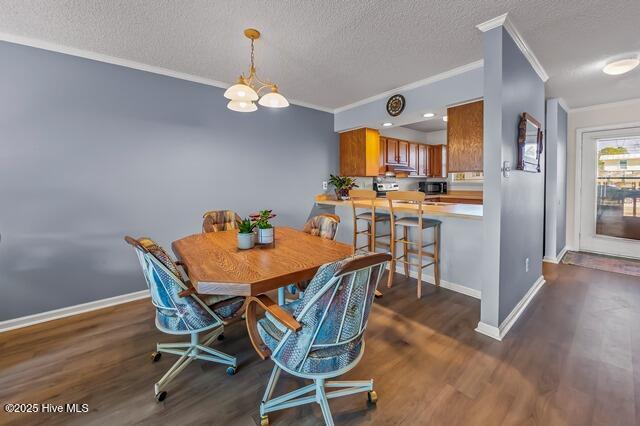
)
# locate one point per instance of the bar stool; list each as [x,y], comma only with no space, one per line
[419,223]
[372,218]
[368,198]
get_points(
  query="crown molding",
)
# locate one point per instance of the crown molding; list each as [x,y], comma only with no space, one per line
[504,21]
[414,85]
[100,57]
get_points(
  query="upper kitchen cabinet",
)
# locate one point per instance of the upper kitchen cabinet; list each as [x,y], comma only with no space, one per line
[396,152]
[414,152]
[423,160]
[436,166]
[360,152]
[464,138]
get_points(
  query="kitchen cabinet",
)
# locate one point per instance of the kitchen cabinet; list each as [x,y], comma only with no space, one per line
[403,153]
[435,168]
[391,150]
[360,152]
[423,160]
[397,152]
[363,152]
[414,152]
[465,137]
[382,166]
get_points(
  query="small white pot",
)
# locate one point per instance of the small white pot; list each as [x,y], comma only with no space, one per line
[245,241]
[265,236]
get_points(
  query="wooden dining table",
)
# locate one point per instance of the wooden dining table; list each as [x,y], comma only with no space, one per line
[215,265]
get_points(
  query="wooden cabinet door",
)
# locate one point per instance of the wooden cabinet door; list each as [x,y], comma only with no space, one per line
[359,152]
[403,153]
[464,138]
[413,158]
[435,160]
[423,160]
[383,152]
[391,156]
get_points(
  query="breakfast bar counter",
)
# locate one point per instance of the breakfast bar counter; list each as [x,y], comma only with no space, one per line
[461,236]
[467,211]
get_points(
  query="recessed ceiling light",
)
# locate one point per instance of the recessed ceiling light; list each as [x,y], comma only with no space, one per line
[387,124]
[428,115]
[620,67]
[445,118]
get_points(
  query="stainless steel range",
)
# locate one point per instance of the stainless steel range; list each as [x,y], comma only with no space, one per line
[382,188]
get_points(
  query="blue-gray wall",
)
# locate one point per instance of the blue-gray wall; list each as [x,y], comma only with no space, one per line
[556,179]
[90,152]
[441,93]
[513,206]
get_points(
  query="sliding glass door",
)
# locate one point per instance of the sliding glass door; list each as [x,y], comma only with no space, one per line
[610,192]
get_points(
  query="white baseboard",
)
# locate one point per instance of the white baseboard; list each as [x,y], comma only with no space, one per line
[489,330]
[458,288]
[498,333]
[558,258]
[70,310]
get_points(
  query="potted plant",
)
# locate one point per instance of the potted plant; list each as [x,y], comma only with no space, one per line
[245,234]
[265,229]
[342,185]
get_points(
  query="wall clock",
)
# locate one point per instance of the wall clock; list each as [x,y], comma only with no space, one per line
[395,105]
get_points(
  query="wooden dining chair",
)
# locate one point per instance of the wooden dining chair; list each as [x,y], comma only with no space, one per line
[418,223]
[220,220]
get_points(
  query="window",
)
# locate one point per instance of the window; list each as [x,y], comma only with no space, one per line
[623,164]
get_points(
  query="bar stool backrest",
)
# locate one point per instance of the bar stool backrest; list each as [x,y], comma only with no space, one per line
[365,198]
[416,197]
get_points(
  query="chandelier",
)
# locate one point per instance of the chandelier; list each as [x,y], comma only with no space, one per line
[246,91]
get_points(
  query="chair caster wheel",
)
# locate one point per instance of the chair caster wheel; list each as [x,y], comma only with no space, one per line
[160,396]
[231,370]
[155,356]
[221,337]
[264,420]
[372,396]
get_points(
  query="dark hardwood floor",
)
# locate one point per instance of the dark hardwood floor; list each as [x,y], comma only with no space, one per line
[572,358]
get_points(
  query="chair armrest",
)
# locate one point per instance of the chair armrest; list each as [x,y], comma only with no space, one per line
[187,292]
[182,265]
[274,309]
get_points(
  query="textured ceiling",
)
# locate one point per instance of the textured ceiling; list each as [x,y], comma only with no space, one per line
[332,52]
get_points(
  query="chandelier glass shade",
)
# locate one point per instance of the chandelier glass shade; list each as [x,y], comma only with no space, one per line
[246,91]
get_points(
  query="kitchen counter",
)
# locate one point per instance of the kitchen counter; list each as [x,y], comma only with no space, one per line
[466,195]
[461,237]
[467,211]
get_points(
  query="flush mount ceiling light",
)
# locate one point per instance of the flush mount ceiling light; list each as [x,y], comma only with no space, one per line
[428,115]
[247,90]
[445,118]
[387,124]
[621,66]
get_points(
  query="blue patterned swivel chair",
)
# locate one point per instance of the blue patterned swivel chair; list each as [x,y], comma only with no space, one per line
[320,336]
[180,312]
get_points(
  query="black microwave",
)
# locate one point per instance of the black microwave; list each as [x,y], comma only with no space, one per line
[433,187]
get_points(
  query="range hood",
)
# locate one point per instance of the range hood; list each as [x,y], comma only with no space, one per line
[399,168]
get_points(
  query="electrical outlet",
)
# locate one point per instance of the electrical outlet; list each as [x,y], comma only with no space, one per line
[325,185]
[526,265]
